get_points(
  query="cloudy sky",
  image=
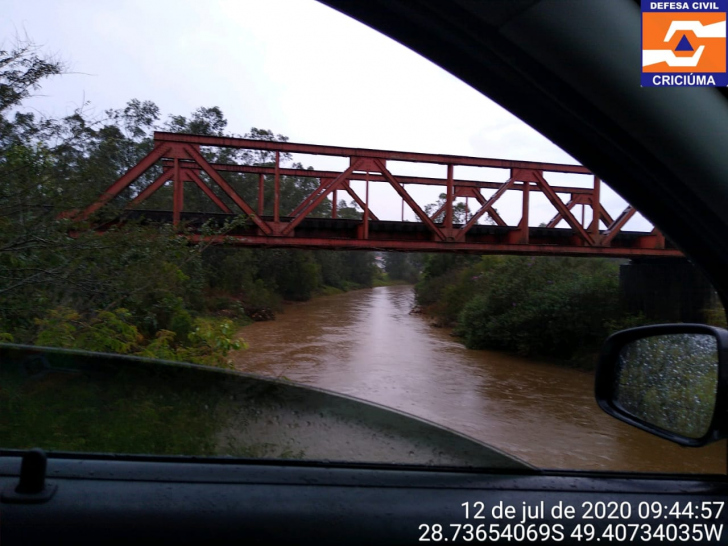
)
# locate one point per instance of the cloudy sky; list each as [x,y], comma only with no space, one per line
[293,66]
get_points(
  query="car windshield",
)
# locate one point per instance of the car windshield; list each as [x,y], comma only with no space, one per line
[274,189]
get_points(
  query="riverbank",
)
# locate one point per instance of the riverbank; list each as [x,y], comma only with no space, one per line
[376,282]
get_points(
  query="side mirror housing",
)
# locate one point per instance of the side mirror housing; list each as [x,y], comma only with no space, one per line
[670,380]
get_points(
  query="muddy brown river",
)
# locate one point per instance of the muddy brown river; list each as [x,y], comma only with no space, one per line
[366,344]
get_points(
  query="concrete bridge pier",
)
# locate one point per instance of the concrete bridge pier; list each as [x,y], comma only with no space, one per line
[666,290]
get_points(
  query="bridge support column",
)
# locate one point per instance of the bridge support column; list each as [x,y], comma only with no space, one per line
[449,198]
[366,208]
[666,289]
[261,194]
[277,191]
[177,194]
[523,224]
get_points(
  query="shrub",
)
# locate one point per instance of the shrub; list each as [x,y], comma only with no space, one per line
[208,342]
[107,331]
[542,306]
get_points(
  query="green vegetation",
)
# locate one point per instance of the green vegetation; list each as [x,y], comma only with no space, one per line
[207,340]
[138,289]
[670,381]
[385,280]
[558,307]
[406,267]
[541,306]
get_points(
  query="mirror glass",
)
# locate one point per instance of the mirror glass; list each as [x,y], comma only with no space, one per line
[670,381]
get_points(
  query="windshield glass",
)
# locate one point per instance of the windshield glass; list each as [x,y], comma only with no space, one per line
[277,190]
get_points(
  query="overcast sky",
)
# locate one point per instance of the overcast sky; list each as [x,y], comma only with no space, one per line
[295,67]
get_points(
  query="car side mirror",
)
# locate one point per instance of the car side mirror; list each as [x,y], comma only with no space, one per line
[669,380]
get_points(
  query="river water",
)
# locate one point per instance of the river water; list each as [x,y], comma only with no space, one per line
[366,344]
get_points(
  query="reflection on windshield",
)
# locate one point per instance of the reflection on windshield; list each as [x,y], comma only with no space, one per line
[66,401]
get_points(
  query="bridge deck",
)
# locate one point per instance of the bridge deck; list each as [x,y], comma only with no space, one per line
[405,236]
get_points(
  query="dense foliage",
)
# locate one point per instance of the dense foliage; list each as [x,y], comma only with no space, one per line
[546,306]
[401,266]
[138,289]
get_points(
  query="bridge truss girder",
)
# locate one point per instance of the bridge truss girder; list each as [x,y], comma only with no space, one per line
[184,165]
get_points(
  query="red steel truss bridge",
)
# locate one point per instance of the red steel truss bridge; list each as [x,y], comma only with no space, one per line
[180,159]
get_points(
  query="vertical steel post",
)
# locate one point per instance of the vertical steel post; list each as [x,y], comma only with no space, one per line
[177,195]
[596,208]
[403,205]
[261,193]
[449,199]
[467,209]
[333,205]
[277,190]
[523,226]
[366,208]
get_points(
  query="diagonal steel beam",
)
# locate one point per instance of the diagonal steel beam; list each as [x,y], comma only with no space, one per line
[220,181]
[205,188]
[605,217]
[322,191]
[411,202]
[151,188]
[439,211]
[479,196]
[561,207]
[491,211]
[122,183]
[483,209]
[303,203]
[557,218]
[576,199]
[315,194]
[616,226]
[358,200]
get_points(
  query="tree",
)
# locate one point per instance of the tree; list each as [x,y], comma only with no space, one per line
[61,281]
[399,266]
[461,213]
[349,212]
[22,69]
[48,166]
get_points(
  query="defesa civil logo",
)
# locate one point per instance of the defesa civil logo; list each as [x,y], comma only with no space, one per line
[684,43]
